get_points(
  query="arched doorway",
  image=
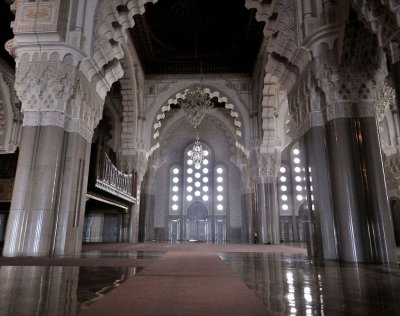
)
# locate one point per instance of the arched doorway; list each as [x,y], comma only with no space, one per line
[197,222]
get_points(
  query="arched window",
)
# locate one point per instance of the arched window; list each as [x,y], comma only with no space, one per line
[220,189]
[197,179]
[198,198]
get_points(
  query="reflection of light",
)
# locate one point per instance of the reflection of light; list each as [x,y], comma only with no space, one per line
[293,311]
[307,294]
[290,297]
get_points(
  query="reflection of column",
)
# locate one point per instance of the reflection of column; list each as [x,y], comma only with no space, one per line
[96,228]
[133,225]
[44,294]
[319,198]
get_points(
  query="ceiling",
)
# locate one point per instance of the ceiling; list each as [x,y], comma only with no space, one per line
[190,36]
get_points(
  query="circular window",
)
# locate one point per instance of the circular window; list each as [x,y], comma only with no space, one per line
[175,171]
[296,160]
[205,198]
[175,188]
[175,180]
[189,189]
[175,207]
[299,198]
[220,198]
[220,207]
[284,188]
[190,180]
[220,170]
[205,170]
[284,197]
[189,171]
[296,151]
[189,198]
[174,198]
[282,169]
[285,207]
[283,179]
[220,188]
[197,193]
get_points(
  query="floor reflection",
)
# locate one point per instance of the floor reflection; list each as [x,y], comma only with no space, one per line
[294,285]
[131,254]
[61,291]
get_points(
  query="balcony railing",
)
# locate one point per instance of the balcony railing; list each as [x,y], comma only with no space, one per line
[113,181]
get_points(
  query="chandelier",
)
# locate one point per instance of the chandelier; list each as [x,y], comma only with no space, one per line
[196,105]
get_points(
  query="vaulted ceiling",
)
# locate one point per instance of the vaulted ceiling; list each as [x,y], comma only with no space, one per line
[189,36]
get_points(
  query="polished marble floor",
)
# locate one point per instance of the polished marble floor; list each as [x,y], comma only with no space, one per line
[283,279]
[293,285]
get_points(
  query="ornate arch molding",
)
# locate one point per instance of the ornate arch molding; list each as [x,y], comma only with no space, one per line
[10,113]
[112,19]
[286,60]
[383,19]
[236,121]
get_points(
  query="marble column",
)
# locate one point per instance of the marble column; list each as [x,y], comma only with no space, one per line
[47,209]
[267,212]
[146,225]
[35,194]
[133,222]
[359,191]
[70,213]
[319,195]
[248,203]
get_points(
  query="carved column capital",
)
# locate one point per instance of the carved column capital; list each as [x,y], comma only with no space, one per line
[54,93]
[268,167]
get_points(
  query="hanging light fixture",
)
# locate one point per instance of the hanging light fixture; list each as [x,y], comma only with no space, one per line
[196,103]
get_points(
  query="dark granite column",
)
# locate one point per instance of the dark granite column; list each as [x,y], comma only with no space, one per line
[359,191]
[319,195]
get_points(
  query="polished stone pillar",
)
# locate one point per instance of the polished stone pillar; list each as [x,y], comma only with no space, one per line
[267,212]
[133,222]
[319,195]
[69,215]
[380,227]
[47,209]
[359,191]
[146,225]
[35,194]
[248,209]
